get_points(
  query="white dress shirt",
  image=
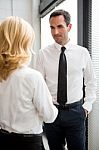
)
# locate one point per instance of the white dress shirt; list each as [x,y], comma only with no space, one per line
[79,66]
[25,102]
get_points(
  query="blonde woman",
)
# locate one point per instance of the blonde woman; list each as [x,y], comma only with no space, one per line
[25,101]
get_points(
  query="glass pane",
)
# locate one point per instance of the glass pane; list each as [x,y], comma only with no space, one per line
[46,38]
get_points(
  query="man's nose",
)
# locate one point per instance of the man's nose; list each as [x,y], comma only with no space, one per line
[56,31]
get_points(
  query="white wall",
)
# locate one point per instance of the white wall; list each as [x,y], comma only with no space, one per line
[20,8]
[28,10]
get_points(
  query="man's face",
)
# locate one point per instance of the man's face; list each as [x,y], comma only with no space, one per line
[59,29]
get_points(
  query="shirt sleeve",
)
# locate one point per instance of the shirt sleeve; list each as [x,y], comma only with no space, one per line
[43,101]
[40,63]
[90,83]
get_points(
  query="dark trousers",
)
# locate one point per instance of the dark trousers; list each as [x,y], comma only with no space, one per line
[68,128]
[19,141]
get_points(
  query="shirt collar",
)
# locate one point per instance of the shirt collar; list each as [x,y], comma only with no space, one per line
[58,46]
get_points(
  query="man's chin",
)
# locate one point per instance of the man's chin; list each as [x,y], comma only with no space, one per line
[59,42]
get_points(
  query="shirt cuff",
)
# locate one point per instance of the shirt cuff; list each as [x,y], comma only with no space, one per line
[87,106]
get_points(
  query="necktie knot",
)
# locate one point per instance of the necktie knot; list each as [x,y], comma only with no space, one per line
[63,49]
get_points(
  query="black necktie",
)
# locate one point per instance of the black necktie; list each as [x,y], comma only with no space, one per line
[62,78]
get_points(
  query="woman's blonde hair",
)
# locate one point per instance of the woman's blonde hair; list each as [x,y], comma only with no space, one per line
[16,39]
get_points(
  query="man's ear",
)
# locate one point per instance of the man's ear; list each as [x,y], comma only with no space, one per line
[69,27]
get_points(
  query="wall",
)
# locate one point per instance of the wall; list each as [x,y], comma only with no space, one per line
[28,10]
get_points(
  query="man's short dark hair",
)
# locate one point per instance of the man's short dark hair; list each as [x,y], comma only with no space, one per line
[64,13]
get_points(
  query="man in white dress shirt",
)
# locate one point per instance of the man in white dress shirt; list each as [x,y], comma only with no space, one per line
[69,127]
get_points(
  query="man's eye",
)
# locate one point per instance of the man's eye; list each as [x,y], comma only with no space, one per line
[60,26]
[52,27]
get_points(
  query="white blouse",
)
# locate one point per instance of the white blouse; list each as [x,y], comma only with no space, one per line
[25,102]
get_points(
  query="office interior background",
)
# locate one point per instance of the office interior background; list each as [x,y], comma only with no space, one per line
[85,32]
